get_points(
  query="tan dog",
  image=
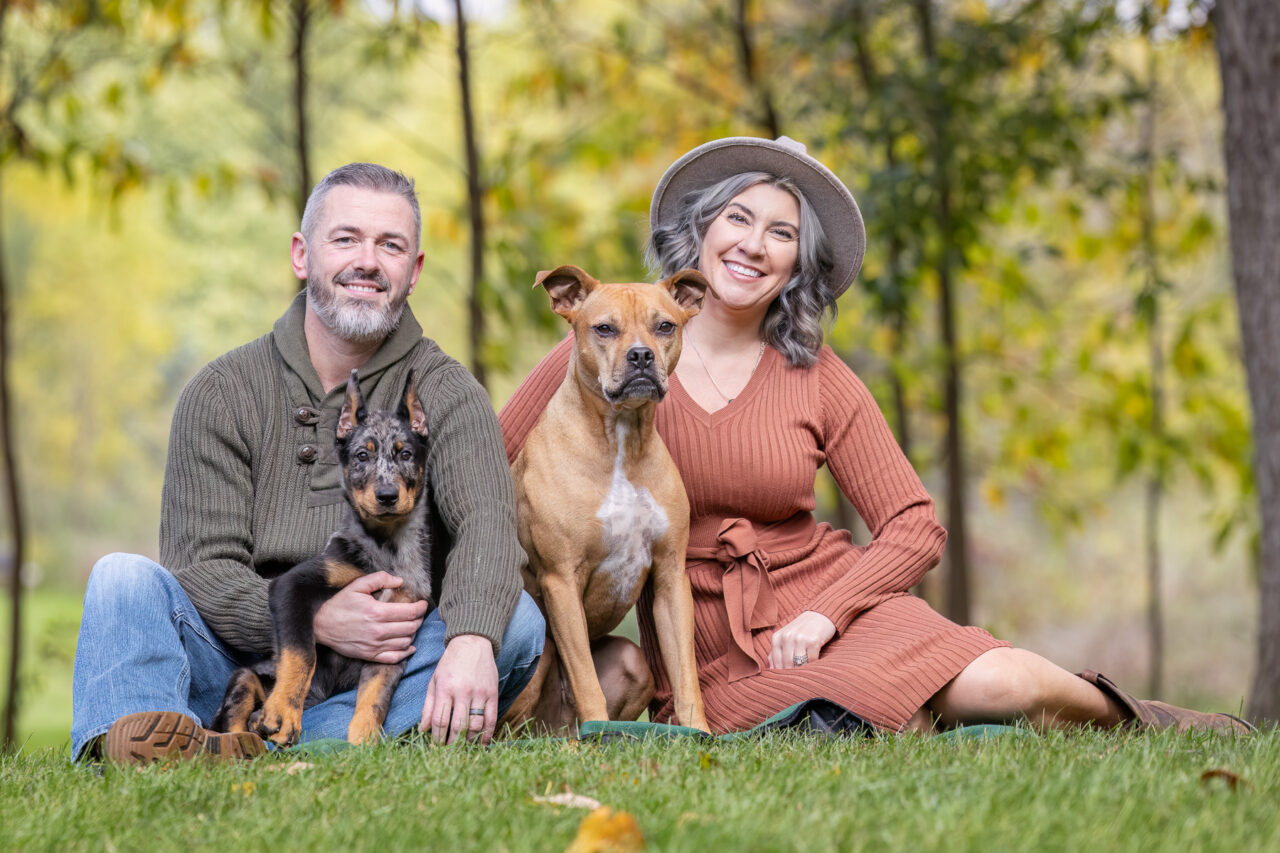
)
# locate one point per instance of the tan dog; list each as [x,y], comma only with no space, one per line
[602,509]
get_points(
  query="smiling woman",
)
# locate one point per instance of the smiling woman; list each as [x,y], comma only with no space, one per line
[787,609]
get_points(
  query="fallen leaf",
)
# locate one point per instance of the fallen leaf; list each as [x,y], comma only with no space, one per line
[246,788]
[292,769]
[1232,780]
[570,799]
[607,831]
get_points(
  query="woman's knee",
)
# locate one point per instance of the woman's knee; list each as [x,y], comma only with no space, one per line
[1000,682]
[621,663]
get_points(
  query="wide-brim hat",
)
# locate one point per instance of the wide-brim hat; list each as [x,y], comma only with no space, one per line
[785,158]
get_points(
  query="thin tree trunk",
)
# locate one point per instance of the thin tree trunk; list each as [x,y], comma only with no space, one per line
[301,25]
[746,57]
[896,306]
[11,485]
[1247,34]
[475,198]
[14,507]
[957,600]
[1155,479]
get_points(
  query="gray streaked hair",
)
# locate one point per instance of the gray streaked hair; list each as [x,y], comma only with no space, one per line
[793,324]
[368,176]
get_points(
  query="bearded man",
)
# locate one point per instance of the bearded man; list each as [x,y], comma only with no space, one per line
[253,486]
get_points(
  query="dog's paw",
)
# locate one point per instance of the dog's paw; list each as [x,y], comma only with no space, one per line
[278,723]
[364,730]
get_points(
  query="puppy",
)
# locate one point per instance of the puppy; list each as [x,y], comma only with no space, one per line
[383,457]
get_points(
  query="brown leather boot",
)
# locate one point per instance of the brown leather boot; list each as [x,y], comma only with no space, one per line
[1150,714]
[168,735]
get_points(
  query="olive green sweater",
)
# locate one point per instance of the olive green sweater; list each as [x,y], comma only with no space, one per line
[252,485]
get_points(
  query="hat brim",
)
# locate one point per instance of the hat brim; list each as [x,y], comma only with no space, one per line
[831,200]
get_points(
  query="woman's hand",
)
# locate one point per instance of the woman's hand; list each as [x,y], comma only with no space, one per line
[800,641]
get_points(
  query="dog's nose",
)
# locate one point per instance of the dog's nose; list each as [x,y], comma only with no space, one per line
[640,357]
[387,496]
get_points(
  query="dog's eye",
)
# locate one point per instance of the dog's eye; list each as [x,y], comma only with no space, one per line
[604,330]
[406,454]
[666,327]
[362,455]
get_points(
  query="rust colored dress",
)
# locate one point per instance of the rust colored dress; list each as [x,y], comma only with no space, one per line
[757,558]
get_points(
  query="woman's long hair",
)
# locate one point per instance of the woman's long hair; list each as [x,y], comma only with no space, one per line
[793,324]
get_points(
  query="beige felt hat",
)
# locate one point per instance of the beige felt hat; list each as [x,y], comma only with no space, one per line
[786,158]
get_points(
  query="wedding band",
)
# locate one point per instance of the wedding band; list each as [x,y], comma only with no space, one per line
[476,712]
[800,660]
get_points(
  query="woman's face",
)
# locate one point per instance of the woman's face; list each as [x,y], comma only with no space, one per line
[750,249]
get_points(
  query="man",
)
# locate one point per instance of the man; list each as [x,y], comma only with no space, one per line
[253,486]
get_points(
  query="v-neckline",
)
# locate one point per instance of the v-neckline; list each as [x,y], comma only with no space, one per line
[734,406]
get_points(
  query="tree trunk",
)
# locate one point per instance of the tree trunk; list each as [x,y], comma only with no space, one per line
[301,24]
[1248,43]
[893,304]
[475,198]
[1155,345]
[746,58]
[957,604]
[12,492]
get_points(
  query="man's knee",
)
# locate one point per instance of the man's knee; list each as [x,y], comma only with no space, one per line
[127,580]
[523,639]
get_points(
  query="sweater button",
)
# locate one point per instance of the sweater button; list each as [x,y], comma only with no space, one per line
[307,453]
[306,415]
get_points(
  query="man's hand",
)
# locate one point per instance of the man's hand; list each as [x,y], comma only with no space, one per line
[801,639]
[466,679]
[355,624]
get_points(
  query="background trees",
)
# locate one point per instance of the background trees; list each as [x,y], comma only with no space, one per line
[1248,42]
[1044,312]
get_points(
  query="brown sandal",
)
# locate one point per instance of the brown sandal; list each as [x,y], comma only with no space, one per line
[1151,714]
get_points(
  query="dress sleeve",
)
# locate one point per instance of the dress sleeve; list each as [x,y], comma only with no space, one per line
[522,411]
[206,524]
[870,468]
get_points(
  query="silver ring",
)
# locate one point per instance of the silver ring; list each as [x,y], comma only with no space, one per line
[800,660]
[476,712]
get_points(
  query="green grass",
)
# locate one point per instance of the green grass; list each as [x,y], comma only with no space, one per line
[51,622]
[1084,791]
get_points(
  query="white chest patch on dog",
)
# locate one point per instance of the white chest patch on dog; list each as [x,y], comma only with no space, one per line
[632,522]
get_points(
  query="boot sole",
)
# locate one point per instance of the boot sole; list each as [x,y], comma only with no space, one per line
[152,736]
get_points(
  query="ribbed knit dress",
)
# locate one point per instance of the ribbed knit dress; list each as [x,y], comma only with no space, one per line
[757,558]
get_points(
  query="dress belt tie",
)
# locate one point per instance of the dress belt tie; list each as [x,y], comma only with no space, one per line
[748,594]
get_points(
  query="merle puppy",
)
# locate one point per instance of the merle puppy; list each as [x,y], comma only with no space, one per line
[386,528]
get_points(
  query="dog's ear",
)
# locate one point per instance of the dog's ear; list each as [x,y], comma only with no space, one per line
[567,286]
[688,288]
[411,408]
[353,410]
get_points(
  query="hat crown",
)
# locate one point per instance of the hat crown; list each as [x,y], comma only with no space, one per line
[791,145]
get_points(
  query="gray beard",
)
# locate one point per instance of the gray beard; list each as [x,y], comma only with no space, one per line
[358,322]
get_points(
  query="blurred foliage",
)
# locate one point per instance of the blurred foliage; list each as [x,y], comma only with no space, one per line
[148,227]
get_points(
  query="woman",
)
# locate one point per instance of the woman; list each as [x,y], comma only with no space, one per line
[787,609]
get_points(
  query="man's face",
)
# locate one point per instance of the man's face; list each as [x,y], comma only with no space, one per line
[361,263]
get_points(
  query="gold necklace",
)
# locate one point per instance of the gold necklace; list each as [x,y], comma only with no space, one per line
[716,385]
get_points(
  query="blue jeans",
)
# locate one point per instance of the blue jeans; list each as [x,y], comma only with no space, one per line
[143,647]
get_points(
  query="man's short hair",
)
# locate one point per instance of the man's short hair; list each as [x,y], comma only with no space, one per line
[369,176]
